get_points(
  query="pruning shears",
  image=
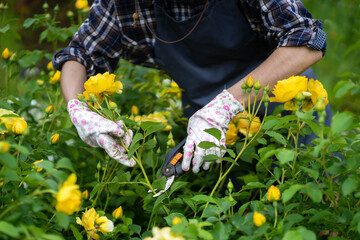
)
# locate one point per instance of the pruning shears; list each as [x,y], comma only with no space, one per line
[172,166]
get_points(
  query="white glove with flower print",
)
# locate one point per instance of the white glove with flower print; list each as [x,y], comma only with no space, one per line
[216,114]
[98,131]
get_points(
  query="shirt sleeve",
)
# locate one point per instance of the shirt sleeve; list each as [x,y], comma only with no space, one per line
[97,43]
[286,23]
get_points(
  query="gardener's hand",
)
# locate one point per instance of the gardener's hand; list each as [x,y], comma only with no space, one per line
[216,114]
[97,131]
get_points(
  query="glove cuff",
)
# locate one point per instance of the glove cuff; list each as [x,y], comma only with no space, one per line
[234,105]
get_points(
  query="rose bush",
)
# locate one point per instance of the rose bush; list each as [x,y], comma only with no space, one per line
[267,186]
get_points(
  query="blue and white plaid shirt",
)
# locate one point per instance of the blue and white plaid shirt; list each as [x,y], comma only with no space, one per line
[108,33]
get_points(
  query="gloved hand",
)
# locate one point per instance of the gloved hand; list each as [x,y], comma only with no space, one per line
[216,114]
[98,131]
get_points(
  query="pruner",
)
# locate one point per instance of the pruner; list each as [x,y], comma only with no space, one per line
[172,166]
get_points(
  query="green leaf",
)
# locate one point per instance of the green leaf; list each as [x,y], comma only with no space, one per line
[252,185]
[211,157]
[292,235]
[151,144]
[62,220]
[305,115]
[230,152]
[30,59]
[270,123]
[65,163]
[210,211]
[290,192]
[313,173]
[220,232]
[137,137]
[206,145]
[20,148]
[96,189]
[285,155]
[204,198]
[135,228]
[341,122]
[349,185]
[5,29]
[307,234]
[154,128]
[9,229]
[76,232]
[214,132]
[227,159]
[133,149]
[277,136]
[8,160]
[314,192]
[28,22]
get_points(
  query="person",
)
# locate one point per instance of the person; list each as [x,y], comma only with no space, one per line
[209,47]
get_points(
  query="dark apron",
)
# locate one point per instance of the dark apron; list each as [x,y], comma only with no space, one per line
[217,54]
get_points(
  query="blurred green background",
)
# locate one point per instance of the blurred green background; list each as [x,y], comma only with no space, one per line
[341,20]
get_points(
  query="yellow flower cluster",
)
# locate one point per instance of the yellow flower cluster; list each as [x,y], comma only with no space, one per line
[164,234]
[15,123]
[155,117]
[241,124]
[93,223]
[68,199]
[286,91]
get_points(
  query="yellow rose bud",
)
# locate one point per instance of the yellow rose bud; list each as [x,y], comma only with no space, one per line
[81,4]
[259,219]
[118,213]
[19,126]
[250,82]
[176,220]
[299,96]
[273,194]
[55,78]
[68,198]
[320,105]
[49,66]
[38,169]
[230,185]
[6,53]
[81,97]
[134,110]
[93,98]
[40,82]
[49,109]
[112,105]
[85,194]
[1,183]
[266,89]
[4,146]
[55,138]
[257,85]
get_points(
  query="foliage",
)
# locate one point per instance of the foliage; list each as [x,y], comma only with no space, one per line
[318,183]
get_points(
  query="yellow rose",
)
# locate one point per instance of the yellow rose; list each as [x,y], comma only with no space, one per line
[103,83]
[285,90]
[243,124]
[6,53]
[118,213]
[4,146]
[232,134]
[55,78]
[273,193]
[259,219]
[19,126]
[68,199]
[164,234]
[92,223]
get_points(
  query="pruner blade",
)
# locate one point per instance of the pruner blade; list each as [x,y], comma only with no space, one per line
[172,166]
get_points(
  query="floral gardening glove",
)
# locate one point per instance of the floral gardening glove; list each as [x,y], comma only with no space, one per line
[216,114]
[98,131]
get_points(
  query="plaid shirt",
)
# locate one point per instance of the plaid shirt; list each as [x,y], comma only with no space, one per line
[108,33]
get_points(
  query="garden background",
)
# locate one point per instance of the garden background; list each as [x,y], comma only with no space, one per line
[319,190]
